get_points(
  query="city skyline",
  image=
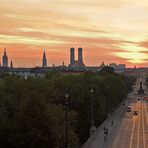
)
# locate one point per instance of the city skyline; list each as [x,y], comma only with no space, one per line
[75,61]
[114,31]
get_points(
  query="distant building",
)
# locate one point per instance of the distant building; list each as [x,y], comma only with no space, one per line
[79,62]
[80,57]
[75,67]
[44,60]
[11,64]
[5,59]
[102,65]
[113,65]
[119,68]
[72,56]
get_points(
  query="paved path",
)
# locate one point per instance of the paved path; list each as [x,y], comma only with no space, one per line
[133,131]
[128,131]
[97,139]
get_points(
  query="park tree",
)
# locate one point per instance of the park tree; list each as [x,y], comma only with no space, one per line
[32,111]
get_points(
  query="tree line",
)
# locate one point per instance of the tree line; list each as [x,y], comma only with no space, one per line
[32,111]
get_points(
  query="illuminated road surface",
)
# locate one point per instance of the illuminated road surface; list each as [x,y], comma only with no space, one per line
[133,130]
[128,131]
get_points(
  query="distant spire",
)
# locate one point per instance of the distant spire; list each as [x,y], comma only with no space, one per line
[44,60]
[53,65]
[102,65]
[44,54]
[5,59]
[11,64]
[4,51]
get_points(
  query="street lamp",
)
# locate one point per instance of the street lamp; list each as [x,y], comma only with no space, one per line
[92,128]
[66,121]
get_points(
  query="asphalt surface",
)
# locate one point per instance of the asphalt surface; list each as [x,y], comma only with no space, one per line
[133,130]
[128,130]
[99,141]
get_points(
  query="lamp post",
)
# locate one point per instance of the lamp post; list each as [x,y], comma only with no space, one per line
[106,100]
[92,128]
[66,121]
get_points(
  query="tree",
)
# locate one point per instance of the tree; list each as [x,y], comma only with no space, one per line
[107,70]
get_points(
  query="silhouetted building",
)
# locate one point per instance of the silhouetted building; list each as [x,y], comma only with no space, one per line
[72,56]
[5,59]
[80,57]
[11,64]
[79,62]
[113,65]
[119,68]
[44,60]
[102,65]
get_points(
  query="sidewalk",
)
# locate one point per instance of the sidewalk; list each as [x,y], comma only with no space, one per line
[97,139]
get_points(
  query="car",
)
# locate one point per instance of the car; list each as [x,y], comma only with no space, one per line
[145,98]
[135,113]
[128,109]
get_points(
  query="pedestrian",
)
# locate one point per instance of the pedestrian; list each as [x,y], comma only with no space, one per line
[104,128]
[105,138]
[112,122]
[106,131]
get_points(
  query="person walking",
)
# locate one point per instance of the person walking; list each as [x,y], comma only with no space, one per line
[112,122]
[105,134]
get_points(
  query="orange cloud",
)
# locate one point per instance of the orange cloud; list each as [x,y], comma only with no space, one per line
[108,31]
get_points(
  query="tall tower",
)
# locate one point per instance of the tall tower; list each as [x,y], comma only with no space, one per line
[80,57]
[72,56]
[11,64]
[5,59]
[44,60]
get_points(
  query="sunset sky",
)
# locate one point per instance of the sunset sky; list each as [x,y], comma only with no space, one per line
[107,30]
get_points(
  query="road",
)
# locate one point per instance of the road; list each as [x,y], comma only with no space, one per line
[128,131]
[133,130]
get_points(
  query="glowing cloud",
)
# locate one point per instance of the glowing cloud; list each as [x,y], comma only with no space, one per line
[133,57]
[113,31]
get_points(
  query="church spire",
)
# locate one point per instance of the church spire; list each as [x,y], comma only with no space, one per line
[11,64]
[5,51]
[5,59]
[44,60]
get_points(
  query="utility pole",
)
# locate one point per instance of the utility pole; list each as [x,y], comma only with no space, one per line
[92,128]
[66,121]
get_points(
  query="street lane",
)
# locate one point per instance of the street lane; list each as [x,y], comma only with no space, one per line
[133,130]
[128,131]
[146,123]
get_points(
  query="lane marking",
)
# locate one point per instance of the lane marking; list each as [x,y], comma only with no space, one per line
[138,126]
[143,127]
[146,113]
[132,134]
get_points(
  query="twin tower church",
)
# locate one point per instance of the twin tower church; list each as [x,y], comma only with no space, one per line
[73,62]
[79,62]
